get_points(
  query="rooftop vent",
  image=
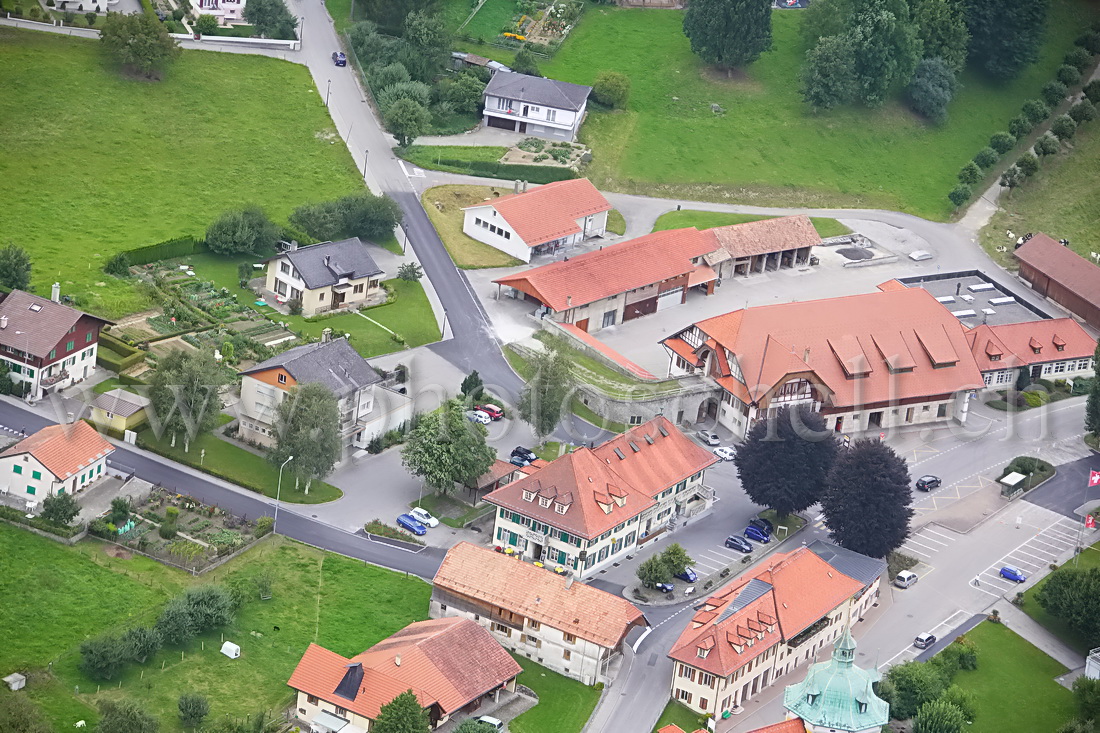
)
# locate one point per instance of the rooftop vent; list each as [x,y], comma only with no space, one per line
[633,446]
[648,439]
[663,431]
[620,454]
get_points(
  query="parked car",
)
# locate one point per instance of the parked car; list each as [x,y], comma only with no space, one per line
[757,534]
[708,437]
[519,461]
[923,641]
[905,578]
[490,720]
[406,521]
[688,575]
[664,587]
[494,412]
[738,543]
[1010,572]
[928,482]
[526,453]
[762,524]
[339,58]
[424,517]
[478,416]
[724,453]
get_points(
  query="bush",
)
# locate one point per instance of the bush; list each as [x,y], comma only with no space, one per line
[168,530]
[970,174]
[1091,42]
[611,88]
[14,515]
[246,230]
[931,89]
[141,643]
[1063,127]
[1002,142]
[1047,145]
[1083,111]
[986,158]
[118,265]
[206,24]
[120,511]
[1079,59]
[506,171]
[1035,110]
[123,716]
[960,194]
[416,91]
[101,658]
[264,526]
[193,708]
[1054,92]
[1068,75]
[294,306]
[1092,91]
[60,509]
[90,17]
[1020,126]
[1028,164]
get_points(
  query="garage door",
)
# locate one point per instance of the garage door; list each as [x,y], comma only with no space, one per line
[506,123]
[669,298]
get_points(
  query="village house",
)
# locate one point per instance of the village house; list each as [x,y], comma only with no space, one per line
[762,246]
[452,665]
[586,509]
[326,277]
[865,362]
[769,621]
[535,106]
[228,12]
[540,221]
[45,345]
[1057,272]
[119,410]
[569,627]
[367,409]
[1055,348]
[57,459]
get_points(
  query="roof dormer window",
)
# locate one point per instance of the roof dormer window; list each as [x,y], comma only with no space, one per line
[1060,347]
[1036,349]
[544,502]
[561,508]
[702,653]
[528,495]
[994,357]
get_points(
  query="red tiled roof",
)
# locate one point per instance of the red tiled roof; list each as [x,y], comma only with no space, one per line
[652,468]
[448,662]
[1063,266]
[766,236]
[549,212]
[538,594]
[611,270]
[1014,342]
[64,449]
[835,339]
[496,472]
[794,725]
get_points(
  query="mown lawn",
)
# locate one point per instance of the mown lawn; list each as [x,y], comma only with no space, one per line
[765,146]
[1089,558]
[564,704]
[1061,200]
[444,205]
[1011,669]
[340,11]
[615,222]
[491,19]
[676,714]
[708,219]
[95,162]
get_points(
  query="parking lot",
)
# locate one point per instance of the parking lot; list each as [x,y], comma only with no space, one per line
[1033,556]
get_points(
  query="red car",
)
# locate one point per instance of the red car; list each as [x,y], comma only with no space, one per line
[492,411]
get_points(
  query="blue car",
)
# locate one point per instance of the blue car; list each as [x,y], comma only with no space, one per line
[1014,574]
[757,534]
[406,521]
[688,575]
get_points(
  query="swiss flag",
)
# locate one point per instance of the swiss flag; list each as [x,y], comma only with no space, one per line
[1090,521]
[1094,478]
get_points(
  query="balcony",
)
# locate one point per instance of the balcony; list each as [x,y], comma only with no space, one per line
[804,636]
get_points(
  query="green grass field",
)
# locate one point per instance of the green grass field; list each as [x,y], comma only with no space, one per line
[340,11]
[1090,558]
[1011,669]
[564,704]
[676,714]
[491,19]
[95,162]
[767,147]
[708,219]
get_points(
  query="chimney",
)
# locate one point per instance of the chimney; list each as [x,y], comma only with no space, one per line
[525,187]
[293,245]
[55,293]
[3,322]
[327,258]
[806,355]
[569,301]
[515,186]
[568,581]
[326,335]
[69,418]
[397,660]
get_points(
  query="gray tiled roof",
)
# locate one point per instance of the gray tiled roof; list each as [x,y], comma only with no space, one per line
[856,566]
[334,364]
[324,264]
[536,90]
[120,402]
[754,589]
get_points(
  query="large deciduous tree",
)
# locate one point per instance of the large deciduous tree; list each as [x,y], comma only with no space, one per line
[307,426]
[445,448]
[403,714]
[270,18]
[784,461]
[407,120]
[941,28]
[676,558]
[102,657]
[729,33]
[1005,36]
[545,399]
[653,570]
[939,716]
[931,89]
[1092,404]
[60,509]
[1073,595]
[828,76]
[888,48]
[867,499]
[15,268]
[184,395]
[913,684]
[124,716]
[246,230]
[138,41]
[357,215]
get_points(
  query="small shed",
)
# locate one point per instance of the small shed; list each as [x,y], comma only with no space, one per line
[15,681]
[231,650]
[1012,483]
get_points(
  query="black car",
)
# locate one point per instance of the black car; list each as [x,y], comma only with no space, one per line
[519,461]
[525,453]
[927,483]
[738,543]
[762,524]
[339,58]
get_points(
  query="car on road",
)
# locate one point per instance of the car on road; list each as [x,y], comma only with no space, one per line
[526,453]
[494,412]
[339,58]
[724,453]
[738,543]
[923,641]
[409,522]
[762,524]
[708,437]
[928,482]
[688,575]
[757,534]
[424,517]
[478,416]
[1013,573]
[491,721]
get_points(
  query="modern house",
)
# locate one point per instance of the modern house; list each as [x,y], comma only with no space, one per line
[586,509]
[450,664]
[865,362]
[55,460]
[572,628]
[119,410]
[1056,348]
[367,409]
[620,282]
[1057,272]
[228,12]
[47,345]
[540,221]
[327,276]
[769,621]
[535,106]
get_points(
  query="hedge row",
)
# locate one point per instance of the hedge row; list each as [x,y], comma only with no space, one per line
[178,247]
[505,171]
[115,355]
[14,515]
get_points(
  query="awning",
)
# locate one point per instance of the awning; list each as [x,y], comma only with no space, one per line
[325,722]
[701,274]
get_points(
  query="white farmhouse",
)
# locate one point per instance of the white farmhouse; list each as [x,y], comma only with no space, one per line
[535,106]
[55,460]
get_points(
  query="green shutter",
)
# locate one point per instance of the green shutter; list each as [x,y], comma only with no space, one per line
[88,338]
[30,490]
[561,557]
[36,474]
[17,469]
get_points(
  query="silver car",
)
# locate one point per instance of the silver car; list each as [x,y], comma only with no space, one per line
[708,437]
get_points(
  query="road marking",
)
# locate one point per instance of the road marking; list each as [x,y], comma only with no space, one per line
[929,530]
[1059,548]
[916,552]
[921,544]
[416,172]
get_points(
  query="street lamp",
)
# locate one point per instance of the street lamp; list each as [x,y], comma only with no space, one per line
[27,361]
[365,154]
[328,90]
[278,493]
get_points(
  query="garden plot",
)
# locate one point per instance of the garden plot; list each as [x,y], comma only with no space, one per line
[535,151]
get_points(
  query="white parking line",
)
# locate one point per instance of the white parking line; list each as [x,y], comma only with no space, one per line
[924,536]
[921,544]
[916,552]
[929,530]
[1059,547]
[1018,561]
[1067,535]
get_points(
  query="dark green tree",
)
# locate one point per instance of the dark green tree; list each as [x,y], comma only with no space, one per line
[307,427]
[654,570]
[676,558]
[270,18]
[1092,404]
[184,395]
[828,75]
[402,715]
[1020,126]
[410,272]
[141,642]
[914,684]
[970,174]
[1068,75]
[15,268]
[138,41]
[784,461]
[118,265]
[611,88]
[1002,142]
[525,62]
[390,74]
[986,158]
[1079,59]
[965,700]
[472,387]
[1077,725]
[1063,127]
[206,24]
[960,194]
[445,448]
[939,716]
[124,716]
[1036,111]
[931,89]
[1083,111]
[867,499]
[1028,164]
[1054,92]
[729,33]
[407,120]
[102,657]
[390,15]
[1023,378]
[60,509]
[545,398]
[1005,37]
[1073,596]
[193,708]
[356,215]
[1086,693]
[941,28]
[1046,145]
[120,511]
[464,91]
[1012,177]
[1092,91]
[888,48]
[19,715]
[246,230]
[426,32]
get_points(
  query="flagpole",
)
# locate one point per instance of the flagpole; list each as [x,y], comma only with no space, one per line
[1094,479]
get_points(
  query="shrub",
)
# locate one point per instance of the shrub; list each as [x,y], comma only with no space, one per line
[60,509]
[264,526]
[960,194]
[1002,142]
[611,88]
[168,530]
[1092,91]
[118,265]
[1035,110]
[1047,145]
[1011,178]
[986,158]
[193,708]
[386,76]
[172,514]
[294,306]
[1063,127]
[240,231]
[178,14]
[120,511]
[90,17]
[101,658]
[1068,75]
[1083,111]
[1028,164]
[1054,92]
[141,643]
[206,24]
[1079,59]
[417,91]
[1091,42]
[970,174]
[1020,126]
[931,89]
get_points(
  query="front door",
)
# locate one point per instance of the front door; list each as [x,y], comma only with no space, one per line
[526,111]
[338,299]
[523,127]
[1036,372]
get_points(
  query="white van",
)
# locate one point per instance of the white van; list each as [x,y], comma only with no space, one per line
[905,578]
